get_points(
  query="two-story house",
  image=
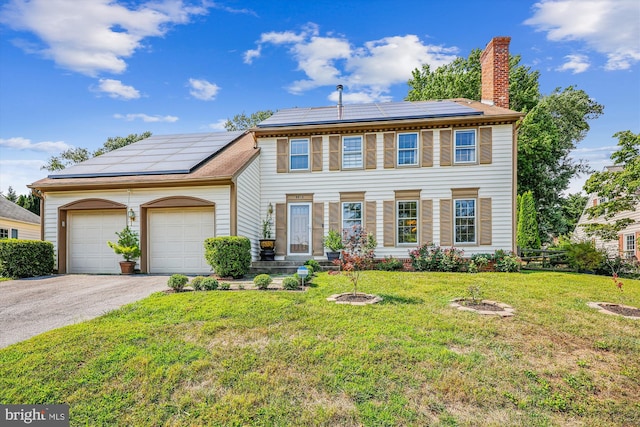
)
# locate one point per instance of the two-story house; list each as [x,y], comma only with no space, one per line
[440,171]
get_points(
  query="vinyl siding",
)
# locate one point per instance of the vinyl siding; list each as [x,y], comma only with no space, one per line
[249,212]
[26,231]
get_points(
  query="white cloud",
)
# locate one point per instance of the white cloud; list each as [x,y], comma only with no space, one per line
[610,27]
[219,125]
[93,36]
[20,173]
[575,63]
[368,71]
[146,118]
[115,89]
[23,144]
[203,90]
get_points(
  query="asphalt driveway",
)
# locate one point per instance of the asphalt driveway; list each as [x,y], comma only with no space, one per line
[29,307]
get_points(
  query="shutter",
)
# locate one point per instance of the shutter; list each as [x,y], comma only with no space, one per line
[389,150]
[426,214]
[486,145]
[281,228]
[282,149]
[318,228]
[485,221]
[334,217]
[636,242]
[621,245]
[370,150]
[445,148]
[595,201]
[316,151]
[389,222]
[446,223]
[427,148]
[370,217]
[334,153]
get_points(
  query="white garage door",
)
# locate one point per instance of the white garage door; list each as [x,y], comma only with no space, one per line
[176,240]
[89,232]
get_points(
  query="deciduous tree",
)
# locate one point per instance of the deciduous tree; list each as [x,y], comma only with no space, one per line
[242,121]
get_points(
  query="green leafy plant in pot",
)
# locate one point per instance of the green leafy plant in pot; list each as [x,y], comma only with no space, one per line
[333,242]
[128,245]
[267,243]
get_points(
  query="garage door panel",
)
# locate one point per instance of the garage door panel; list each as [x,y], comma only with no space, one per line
[88,233]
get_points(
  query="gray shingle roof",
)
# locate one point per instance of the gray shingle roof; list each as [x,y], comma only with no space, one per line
[12,211]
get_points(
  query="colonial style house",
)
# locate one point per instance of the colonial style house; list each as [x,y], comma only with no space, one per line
[626,245]
[18,223]
[440,171]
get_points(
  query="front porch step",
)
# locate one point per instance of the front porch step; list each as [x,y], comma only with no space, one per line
[284,266]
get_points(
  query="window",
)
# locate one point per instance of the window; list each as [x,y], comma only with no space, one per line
[629,246]
[407,149]
[299,154]
[351,152]
[465,146]
[351,216]
[407,222]
[4,233]
[14,233]
[465,221]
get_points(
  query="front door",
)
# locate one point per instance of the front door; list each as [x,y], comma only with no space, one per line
[299,241]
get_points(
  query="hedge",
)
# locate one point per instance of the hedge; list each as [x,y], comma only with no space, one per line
[229,256]
[25,258]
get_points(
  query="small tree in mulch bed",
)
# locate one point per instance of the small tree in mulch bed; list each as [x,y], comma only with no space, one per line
[357,255]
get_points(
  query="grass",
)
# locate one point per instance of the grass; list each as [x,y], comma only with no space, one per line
[292,358]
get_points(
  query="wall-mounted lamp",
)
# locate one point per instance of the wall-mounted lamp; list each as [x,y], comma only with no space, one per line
[132,214]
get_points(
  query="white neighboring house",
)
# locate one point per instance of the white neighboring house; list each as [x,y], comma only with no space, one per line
[410,172]
[627,244]
[18,223]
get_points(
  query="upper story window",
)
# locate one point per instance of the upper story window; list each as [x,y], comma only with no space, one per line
[4,233]
[407,226]
[407,149]
[465,221]
[465,146]
[351,152]
[351,216]
[299,154]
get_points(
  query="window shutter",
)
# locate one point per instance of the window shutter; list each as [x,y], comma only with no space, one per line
[637,246]
[370,217]
[334,217]
[389,150]
[485,221]
[389,222]
[446,223]
[427,222]
[281,228]
[317,228]
[595,201]
[445,148]
[621,244]
[316,150]
[370,150]
[282,149]
[334,153]
[427,148]
[486,146]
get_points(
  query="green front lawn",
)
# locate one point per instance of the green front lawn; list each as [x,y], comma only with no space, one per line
[292,358]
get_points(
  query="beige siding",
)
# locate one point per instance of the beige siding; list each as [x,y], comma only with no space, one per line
[26,231]
[250,213]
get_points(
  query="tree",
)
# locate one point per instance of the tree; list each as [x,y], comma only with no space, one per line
[11,195]
[618,187]
[243,122]
[527,235]
[572,207]
[30,203]
[554,125]
[76,155]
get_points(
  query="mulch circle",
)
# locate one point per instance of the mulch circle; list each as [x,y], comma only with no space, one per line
[354,299]
[484,307]
[616,309]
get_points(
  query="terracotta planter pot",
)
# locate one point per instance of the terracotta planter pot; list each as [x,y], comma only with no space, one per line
[127,267]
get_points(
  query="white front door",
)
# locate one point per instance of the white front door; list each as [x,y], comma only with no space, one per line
[299,241]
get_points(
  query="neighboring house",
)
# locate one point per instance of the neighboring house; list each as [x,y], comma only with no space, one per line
[18,223]
[627,244]
[409,172]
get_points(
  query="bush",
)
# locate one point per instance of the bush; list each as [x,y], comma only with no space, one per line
[429,257]
[177,282]
[209,284]
[313,264]
[583,256]
[229,256]
[506,262]
[224,286]
[290,283]
[262,281]
[25,258]
[196,283]
[390,264]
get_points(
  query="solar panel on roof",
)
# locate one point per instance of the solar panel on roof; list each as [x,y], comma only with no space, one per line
[162,154]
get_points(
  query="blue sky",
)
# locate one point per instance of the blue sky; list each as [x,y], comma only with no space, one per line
[74,72]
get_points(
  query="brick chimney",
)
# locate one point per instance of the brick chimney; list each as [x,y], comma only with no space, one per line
[495,72]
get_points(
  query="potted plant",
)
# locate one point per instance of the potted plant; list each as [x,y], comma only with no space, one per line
[333,242]
[128,245]
[268,243]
